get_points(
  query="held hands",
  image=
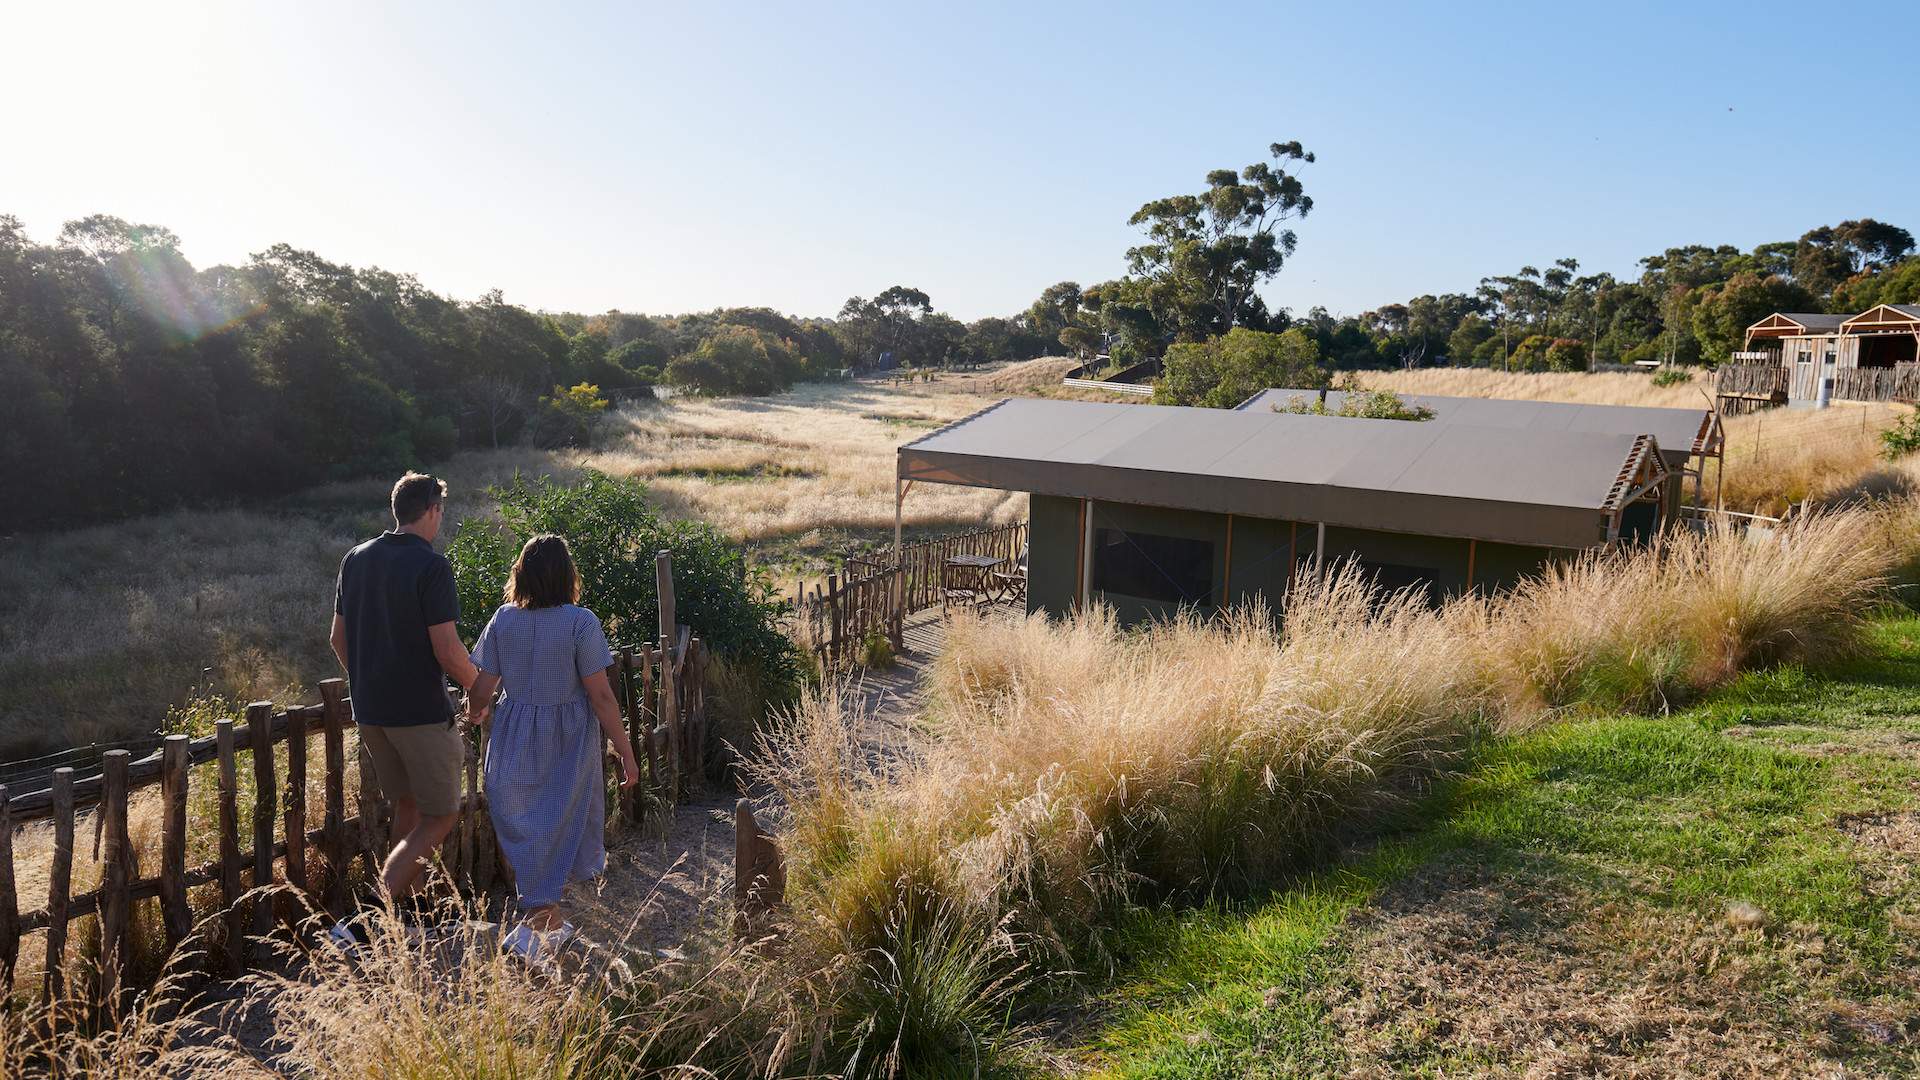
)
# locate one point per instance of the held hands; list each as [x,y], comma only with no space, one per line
[478,711]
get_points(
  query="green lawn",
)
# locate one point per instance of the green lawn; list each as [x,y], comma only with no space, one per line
[1726,890]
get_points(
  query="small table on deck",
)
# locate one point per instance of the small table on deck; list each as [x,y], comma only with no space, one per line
[972,577]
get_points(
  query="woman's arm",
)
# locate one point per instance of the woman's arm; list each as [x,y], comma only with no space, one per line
[607,709]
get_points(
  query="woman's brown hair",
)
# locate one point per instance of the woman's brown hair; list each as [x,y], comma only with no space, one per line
[544,575]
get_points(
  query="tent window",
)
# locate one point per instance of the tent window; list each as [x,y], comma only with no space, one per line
[1172,569]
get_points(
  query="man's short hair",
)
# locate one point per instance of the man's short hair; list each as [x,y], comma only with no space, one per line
[414,495]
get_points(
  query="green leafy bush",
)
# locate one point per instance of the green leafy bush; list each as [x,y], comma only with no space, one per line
[1671,376]
[1367,404]
[1902,438]
[615,532]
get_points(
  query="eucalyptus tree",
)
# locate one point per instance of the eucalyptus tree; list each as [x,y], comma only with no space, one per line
[1207,253]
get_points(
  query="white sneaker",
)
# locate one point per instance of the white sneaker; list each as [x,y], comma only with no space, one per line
[538,948]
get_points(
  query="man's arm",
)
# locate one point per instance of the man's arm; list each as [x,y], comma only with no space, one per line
[452,655]
[339,638]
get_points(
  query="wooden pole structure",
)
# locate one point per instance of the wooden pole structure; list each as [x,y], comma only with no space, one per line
[115,902]
[669,673]
[174,913]
[333,697]
[260,735]
[59,886]
[296,814]
[229,779]
[9,902]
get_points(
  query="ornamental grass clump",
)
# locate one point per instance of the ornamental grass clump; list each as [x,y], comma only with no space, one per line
[1642,629]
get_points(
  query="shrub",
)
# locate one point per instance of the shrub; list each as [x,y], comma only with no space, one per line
[572,415]
[614,532]
[1672,376]
[1224,371]
[1902,438]
[1369,404]
[875,650]
[735,360]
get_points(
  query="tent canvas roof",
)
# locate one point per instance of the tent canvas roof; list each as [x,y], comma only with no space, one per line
[1523,486]
[1680,432]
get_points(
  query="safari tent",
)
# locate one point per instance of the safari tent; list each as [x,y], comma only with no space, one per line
[1152,508]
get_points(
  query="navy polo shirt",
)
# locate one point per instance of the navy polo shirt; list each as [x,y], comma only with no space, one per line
[391,589]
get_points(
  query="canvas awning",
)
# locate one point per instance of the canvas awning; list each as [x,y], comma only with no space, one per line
[1549,488]
[1681,433]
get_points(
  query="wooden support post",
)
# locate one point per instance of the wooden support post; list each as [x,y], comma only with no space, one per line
[229,779]
[759,876]
[260,735]
[469,808]
[9,902]
[59,887]
[669,680]
[175,916]
[296,814]
[649,718]
[116,876]
[629,712]
[696,692]
[484,855]
[333,696]
[371,842]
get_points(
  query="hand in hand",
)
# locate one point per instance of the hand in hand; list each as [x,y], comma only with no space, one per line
[478,712]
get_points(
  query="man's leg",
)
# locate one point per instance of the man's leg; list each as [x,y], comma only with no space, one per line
[406,818]
[401,874]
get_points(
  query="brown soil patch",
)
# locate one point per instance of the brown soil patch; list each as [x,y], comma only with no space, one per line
[1461,973]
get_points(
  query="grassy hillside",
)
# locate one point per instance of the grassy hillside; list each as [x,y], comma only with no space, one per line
[1728,890]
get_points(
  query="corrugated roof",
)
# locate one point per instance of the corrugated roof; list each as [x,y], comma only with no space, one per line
[1679,431]
[1514,485]
[1816,321]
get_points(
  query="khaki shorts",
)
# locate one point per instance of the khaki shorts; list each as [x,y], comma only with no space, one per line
[422,762]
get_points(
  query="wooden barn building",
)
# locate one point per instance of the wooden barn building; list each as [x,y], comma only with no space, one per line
[1805,360]
[1153,508]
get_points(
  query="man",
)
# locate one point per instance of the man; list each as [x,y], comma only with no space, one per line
[393,630]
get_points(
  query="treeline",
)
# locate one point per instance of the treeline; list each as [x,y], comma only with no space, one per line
[131,381]
[1689,305]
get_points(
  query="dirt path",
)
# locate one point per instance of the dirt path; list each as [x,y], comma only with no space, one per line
[660,887]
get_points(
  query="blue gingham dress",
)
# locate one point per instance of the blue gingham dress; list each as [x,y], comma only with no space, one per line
[546,790]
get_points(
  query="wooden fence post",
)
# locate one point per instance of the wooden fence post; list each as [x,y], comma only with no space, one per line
[296,816]
[260,732]
[370,840]
[9,902]
[759,878]
[669,674]
[624,691]
[333,697]
[174,913]
[115,902]
[229,841]
[59,886]
[483,867]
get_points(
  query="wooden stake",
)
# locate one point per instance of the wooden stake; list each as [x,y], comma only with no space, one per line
[59,886]
[229,841]
[260,732]
[333,695]
[174,913]
[296,816]
[9,902]
[116,904]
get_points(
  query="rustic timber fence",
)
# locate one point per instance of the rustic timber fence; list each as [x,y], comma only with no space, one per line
[836,619]
[1765,382]
[1898,383]
[662,696]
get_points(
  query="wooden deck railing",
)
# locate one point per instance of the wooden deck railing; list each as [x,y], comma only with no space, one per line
[835,620]
[1762,381]
[1898,383]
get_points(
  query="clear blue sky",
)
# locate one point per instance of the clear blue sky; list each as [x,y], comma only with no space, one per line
[664,159]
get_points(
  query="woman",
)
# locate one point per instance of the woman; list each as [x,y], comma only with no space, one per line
[544,784]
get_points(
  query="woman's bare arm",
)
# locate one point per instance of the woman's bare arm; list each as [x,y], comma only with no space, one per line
[607,710]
